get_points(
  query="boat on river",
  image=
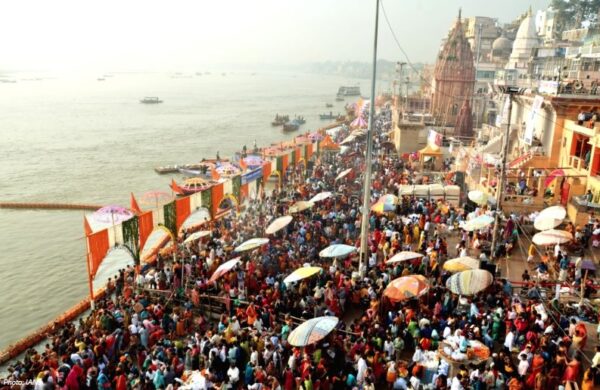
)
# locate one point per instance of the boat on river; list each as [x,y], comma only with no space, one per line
[150,100]
[280,120]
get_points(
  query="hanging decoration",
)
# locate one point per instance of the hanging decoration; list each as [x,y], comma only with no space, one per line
[170,217]
[130,237]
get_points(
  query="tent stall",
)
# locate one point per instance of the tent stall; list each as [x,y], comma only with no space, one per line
[432,192]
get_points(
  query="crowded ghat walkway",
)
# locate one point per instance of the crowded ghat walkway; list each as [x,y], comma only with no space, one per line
[228,317]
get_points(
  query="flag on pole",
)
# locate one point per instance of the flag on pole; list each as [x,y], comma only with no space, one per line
[176,189]
[214,174]
[86,226]
[243,165]
[134,205]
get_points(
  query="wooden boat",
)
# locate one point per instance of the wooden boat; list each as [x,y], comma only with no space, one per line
[329,105]
[150,100]
[195,184]
[280,120]
[291,126]
[299,120]
[328,116]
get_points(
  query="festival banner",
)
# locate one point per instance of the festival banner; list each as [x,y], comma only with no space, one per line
[252,175]
[170,217]
[279,164]
[309,151]
[297,155]
[130,237]
[244,191]
[217,197]
[145,226]
[285,162]
[266,169]
[134,205]
[236,184]
[182,211]
[98,247]
[207,200]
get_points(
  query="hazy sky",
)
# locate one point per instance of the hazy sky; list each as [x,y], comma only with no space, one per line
[189,35]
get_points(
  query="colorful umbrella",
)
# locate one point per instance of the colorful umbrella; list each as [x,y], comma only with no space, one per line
[279,224]
[321,196]
[403,256]
[478,223]
[553,175]
[312,331]
[112,214]
[300,206]
[228,170]
[224,268]
[556,212]
[382,208]
[406,287]
[343,174]
[337,250]
[460,264]
[301,273]
[389,198]
[251,244]
[153,198]
[359,122]
[478,197]
[253,161]
[546,223]
[195,236]
[552,237]
[469,282]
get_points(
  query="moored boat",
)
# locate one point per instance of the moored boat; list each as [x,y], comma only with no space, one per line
[329,105]
[280,120]
[150,100]
[291,126]
[195,184]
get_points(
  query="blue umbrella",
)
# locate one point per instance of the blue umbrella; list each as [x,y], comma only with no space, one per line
[337,250]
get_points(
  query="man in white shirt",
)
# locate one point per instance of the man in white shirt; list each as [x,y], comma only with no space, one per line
[523,365]
[361,370]
[456,385]
[234,374]
[509,340]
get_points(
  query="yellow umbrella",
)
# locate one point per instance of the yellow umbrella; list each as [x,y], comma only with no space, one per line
[279,224]
[251,244]
[301,273]
[300,206]
[461,264]
[382,208]
[406,287]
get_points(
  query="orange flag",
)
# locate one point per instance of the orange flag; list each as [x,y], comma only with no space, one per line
[243,165]
[134,205]
[175,187]
[86,226]
[214,174]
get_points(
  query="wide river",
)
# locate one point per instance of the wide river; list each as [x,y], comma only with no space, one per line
[76,139]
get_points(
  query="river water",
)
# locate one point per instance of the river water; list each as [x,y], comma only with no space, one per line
[74,139]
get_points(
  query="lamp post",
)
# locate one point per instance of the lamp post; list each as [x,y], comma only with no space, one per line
[364,227]
[511,92]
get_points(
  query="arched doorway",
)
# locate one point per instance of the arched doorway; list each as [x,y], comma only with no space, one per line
[228,204]
[118,257]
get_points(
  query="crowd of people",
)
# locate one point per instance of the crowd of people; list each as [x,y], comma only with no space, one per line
[157,332]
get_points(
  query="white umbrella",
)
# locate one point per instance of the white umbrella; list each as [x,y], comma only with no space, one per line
[478,223]
[251,244]
[546,222]
[552,237]
[279,224]
[337,250]
[348,139]
[556,212]
[343,174]
[195,236]
[321,196]
[300,206]
[478,197]
[403,256]
[224,268]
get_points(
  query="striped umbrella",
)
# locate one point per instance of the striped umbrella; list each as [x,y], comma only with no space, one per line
[301,273]
[251,244]
[406,287]
[337,250]
[279,224]
[469,282]
[461,264]
[224,268]
[312,331]
[404,256]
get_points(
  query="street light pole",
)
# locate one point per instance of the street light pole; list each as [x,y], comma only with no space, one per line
[510,91]
[364,228]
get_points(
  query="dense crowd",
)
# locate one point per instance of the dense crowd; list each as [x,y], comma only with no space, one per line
[141,338]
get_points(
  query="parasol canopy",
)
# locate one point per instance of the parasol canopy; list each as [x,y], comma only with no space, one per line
[546,222]
[552,237]
[279,224]
[228,169]
[389,198]
[251,244]
[460,264]
[154,198]
[381,208]
[478,223]
[406,287]
[320,196]
[112,214]
[469,282]
[312,331]
[359,122]
[301,273]
[300,206]
[337,250]
[478,197]
[196,236]
[343,174]
[224,268]
[557,212]
[403,256]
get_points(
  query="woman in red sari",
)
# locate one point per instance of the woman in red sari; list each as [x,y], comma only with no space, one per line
[573,370]
[537,365]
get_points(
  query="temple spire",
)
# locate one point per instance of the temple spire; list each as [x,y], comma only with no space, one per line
[459,14]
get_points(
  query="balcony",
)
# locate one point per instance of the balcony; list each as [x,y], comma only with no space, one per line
[577,163]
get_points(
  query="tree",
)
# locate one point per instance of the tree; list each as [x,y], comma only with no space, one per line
[571,14]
